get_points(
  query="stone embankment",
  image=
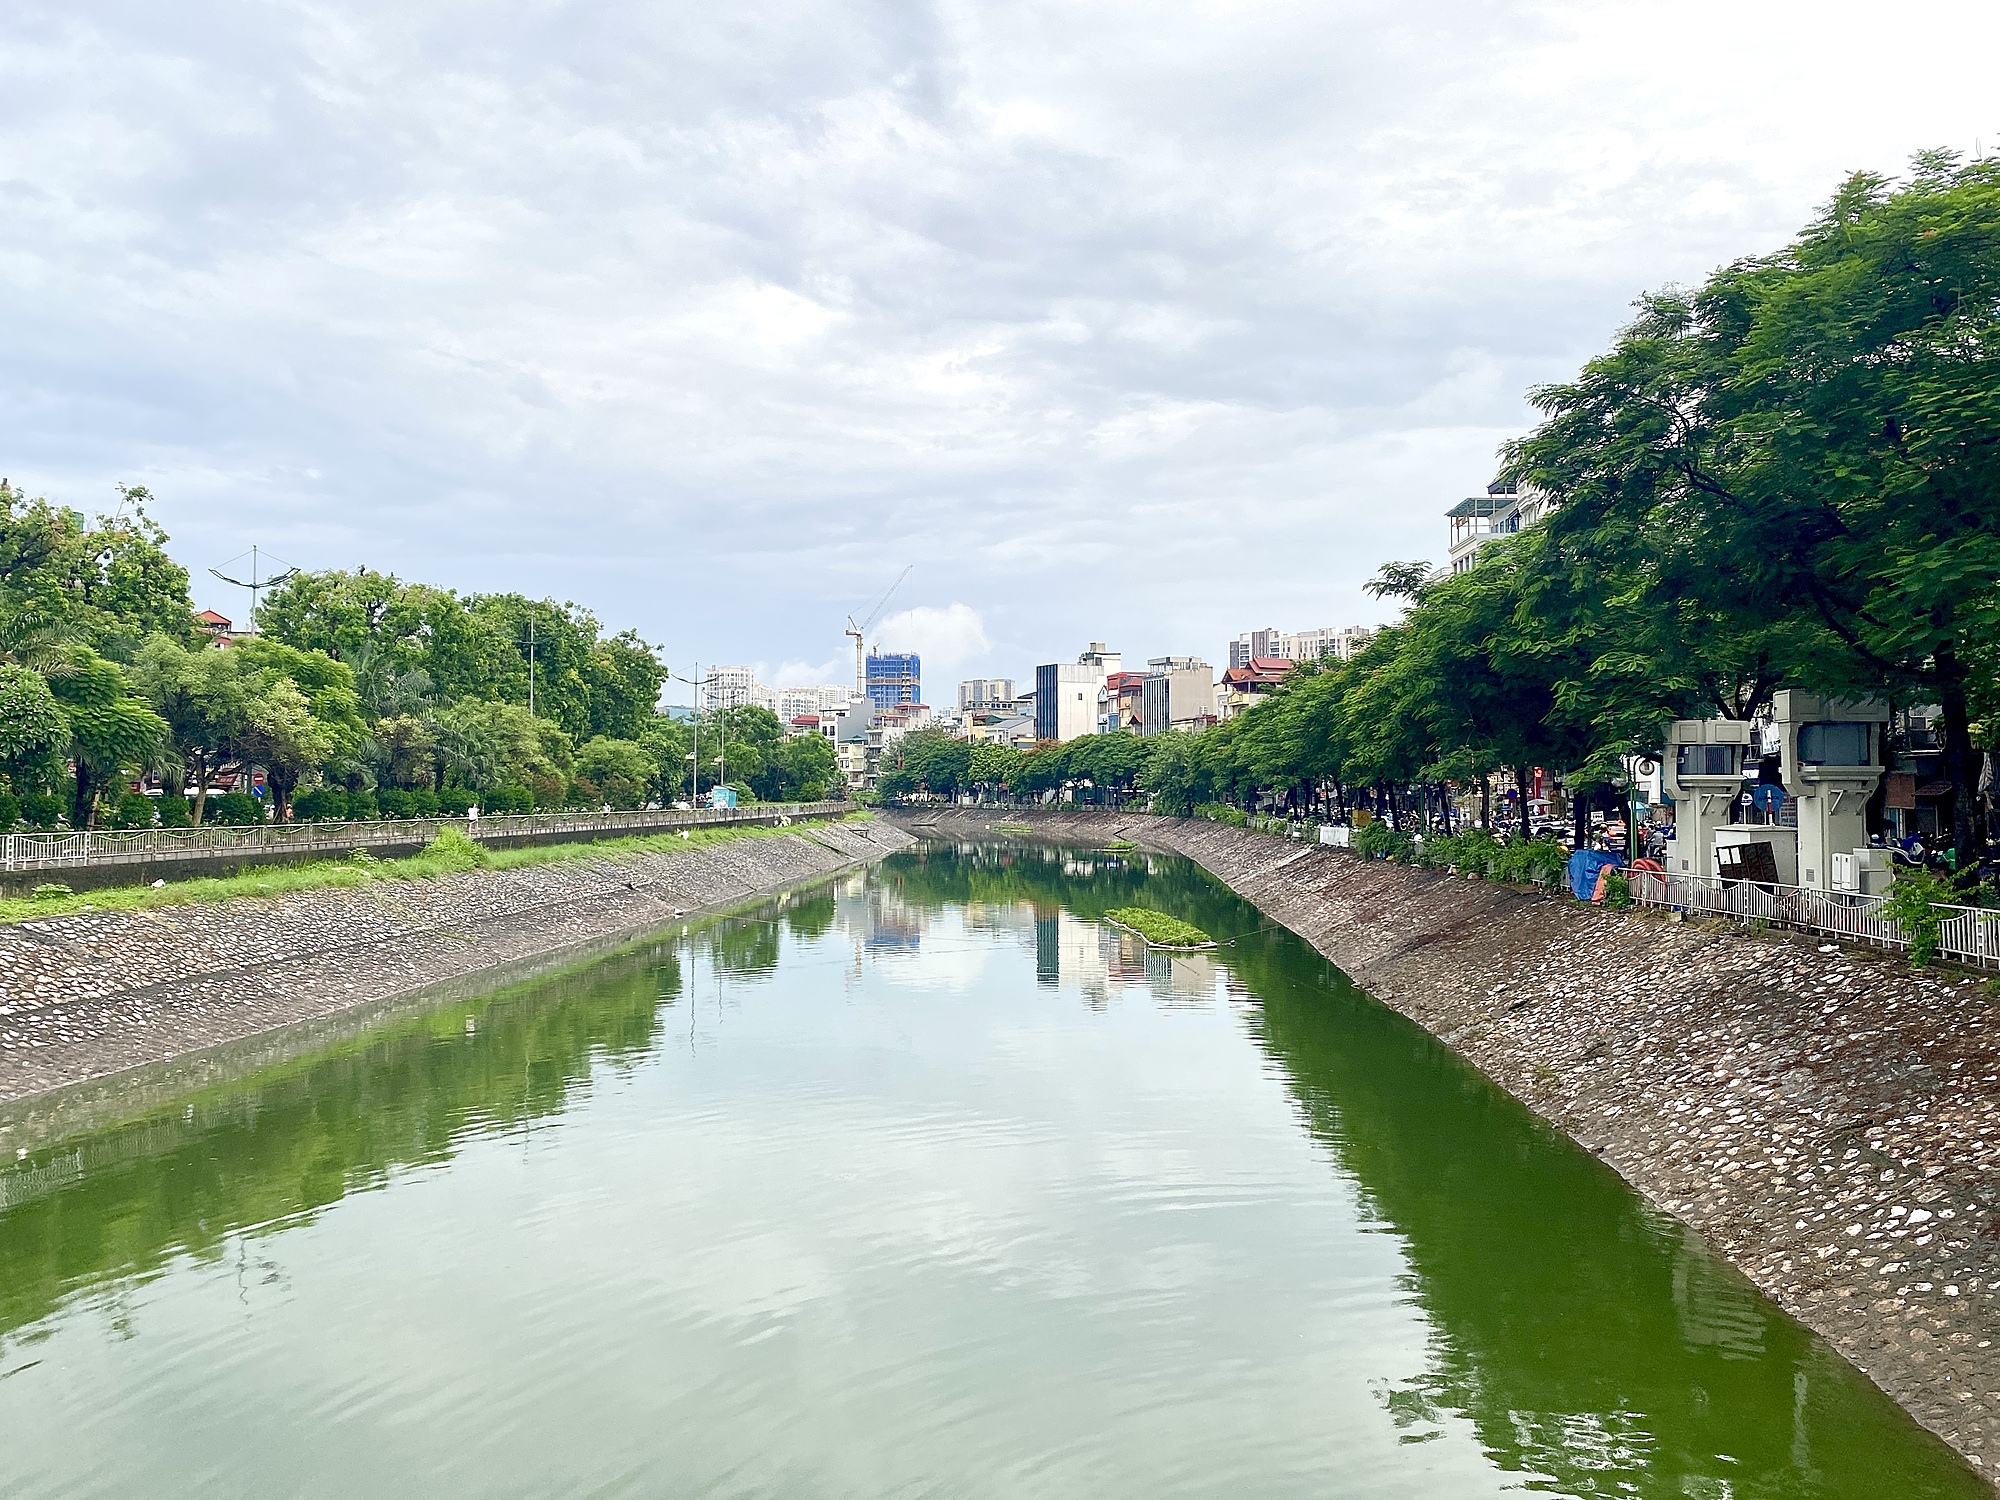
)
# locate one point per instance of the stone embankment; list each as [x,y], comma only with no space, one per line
[94,994]
[1827,1118]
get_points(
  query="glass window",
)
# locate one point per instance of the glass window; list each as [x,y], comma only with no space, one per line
[1834,745]
[1708,760]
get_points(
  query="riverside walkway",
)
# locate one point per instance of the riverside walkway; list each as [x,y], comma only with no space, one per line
[98,858]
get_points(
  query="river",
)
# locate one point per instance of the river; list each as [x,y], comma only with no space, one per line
[923,1183]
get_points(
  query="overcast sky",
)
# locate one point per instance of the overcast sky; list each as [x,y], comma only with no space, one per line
[1138,323]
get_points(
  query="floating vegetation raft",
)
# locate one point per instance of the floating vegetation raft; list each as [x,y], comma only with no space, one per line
[1159,929]
[1121,846]
[1012,828]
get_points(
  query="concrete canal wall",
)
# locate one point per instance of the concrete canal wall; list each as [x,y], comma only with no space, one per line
[1827,1119]
[100,993]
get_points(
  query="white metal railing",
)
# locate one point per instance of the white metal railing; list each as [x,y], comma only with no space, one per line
[1968,934]
[53,851]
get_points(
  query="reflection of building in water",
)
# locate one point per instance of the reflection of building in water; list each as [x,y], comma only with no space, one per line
[878,919]
[1099,959]
[1048,947]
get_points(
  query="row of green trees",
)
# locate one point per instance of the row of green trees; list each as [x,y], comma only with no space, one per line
[360,695]
[1787,476]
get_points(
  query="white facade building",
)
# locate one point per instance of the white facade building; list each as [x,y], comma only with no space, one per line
[733,687]
[1480,518]
[1298,645]
[793,701]
[986,692]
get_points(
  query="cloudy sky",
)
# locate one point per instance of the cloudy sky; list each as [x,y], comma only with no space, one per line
[1145,324]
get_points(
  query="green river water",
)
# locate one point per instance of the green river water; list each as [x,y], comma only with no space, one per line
[923,1183]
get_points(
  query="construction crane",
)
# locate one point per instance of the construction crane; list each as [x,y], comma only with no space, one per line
[857,631]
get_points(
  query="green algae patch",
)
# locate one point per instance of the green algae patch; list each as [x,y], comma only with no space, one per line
[1159,929]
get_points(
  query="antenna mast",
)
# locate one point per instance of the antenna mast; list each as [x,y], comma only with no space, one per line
[254,583]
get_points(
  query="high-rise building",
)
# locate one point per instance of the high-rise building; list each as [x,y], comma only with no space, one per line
[1253,643]
[1066,696]
[894,677]
[826,699]
[733,687]
[985,692]
[1297,645]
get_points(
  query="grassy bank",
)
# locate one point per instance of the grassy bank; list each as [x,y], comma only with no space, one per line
[452,853]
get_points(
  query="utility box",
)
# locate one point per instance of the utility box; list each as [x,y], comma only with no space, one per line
[1702,770]
[1830,754]
[1865,872]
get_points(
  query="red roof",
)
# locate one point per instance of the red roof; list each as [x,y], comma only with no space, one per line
[210,617]
[1262,671]
[1118,682]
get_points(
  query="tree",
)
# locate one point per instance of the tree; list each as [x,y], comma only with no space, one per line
[1819,432]
[809,767]
[614,772]
[281,733]
[203,696]
[406,752]
[34,731]
[68,581]
[991,767]
[111,732]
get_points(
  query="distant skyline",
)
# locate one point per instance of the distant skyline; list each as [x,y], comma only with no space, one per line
[1138,324]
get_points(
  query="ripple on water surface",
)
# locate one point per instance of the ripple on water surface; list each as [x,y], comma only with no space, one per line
[924,1183]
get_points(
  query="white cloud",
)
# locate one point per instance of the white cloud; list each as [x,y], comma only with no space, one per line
[946,639]
[1136,322]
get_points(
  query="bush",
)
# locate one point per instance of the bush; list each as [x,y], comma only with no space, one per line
[455,801]
[1469,853]
[424,804]
[1380,841]
[131,810]
[395,802]
[174,811]
[1617,890]
[453,852]
[1530,861]
[236,810]
[1222,812]
[1913,903]
[361,807]
[508,799]
[41,810]
[323,804]
[10,810]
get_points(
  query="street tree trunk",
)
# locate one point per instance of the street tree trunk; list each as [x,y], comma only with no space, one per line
[1962,762]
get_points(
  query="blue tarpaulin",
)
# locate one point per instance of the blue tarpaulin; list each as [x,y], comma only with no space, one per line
[1584,866]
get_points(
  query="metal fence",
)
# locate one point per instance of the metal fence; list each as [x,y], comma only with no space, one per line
[53,851]
[1968,935]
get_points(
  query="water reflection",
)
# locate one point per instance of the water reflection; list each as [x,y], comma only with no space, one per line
[1055,1210]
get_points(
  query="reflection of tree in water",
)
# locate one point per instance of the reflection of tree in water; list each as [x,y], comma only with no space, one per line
[304,1134]
[746,947]
[1584,1334]
[1089,883]
[812,915]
